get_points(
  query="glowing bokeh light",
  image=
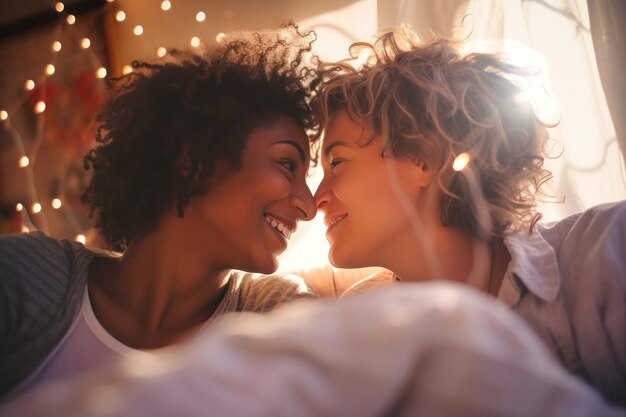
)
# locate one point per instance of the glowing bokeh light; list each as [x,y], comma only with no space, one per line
[40,107]
[461,161]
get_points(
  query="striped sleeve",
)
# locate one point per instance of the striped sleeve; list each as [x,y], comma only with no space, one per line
[34,276]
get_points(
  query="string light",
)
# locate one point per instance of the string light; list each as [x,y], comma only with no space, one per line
[36,208]
[50,69]
[19,207]
[40,107]
[25,229]
[59,7]
[56,203]
[127,69]
[138,30]
[56,46]
[120,16]
[101,72]
[85,43]
[24,161]
[70,19]
[29,85]
[195,41]
[81,239]
[4,115]
[461,161]
[200,16]
[220,37]
[161,52]
[166,5]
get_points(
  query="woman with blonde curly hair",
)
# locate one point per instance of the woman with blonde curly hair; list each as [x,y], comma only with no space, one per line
[432,167]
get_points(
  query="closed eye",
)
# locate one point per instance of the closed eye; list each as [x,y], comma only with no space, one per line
[334,162]
[289,164]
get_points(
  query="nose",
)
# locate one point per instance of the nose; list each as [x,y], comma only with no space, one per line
[304,203]
[321,196]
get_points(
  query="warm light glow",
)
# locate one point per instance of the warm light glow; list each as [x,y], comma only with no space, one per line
[36,208]
[4,115]
[166,5]
[120,16]
[138,30]
[59,7]
[522,97]
[101,72]
[24,161]
[85,43]
[70,19]
[461,161]
[220,37]
[200,16]
[25,229]
[56,46]
[195,41]
[161,52]
[81,239]
[40,107]
[29,85]
[50,69]
[56,203]
[19,207]
[127,69]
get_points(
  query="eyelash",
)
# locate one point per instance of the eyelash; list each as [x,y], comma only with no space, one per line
[289,165]
[332,164]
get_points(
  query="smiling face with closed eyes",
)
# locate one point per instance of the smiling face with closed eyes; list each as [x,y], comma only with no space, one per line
[362,195]
[249,213]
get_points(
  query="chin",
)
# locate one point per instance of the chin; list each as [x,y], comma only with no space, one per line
[267,266]
[340,260]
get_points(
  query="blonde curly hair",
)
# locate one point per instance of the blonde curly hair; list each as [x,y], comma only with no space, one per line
[430,103]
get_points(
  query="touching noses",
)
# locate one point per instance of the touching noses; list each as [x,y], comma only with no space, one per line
[303,201]
[321,196]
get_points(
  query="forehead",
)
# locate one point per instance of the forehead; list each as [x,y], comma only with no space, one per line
[341,128]
[281,129]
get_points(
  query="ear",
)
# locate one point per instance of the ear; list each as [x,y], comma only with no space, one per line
[422,173]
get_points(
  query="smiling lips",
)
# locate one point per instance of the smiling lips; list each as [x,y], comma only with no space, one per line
[331,221]
[281,227]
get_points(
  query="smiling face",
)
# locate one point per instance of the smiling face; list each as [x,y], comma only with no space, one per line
[362,196]
[249,213]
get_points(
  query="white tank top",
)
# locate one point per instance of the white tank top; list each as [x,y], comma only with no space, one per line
[86,345]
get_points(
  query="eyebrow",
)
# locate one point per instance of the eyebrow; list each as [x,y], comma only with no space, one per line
[332,146]
[297,146]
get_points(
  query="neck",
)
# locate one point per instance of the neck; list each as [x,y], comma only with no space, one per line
[159,287]
[440,253]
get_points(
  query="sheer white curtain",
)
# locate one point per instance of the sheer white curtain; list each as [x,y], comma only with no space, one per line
[554,36]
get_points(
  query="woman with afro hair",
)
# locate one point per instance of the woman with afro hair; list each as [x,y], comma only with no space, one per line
[198,175]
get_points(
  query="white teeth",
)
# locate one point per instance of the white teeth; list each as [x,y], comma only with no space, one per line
[283,229]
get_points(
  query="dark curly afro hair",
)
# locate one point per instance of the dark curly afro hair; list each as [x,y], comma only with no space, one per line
[161,135]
